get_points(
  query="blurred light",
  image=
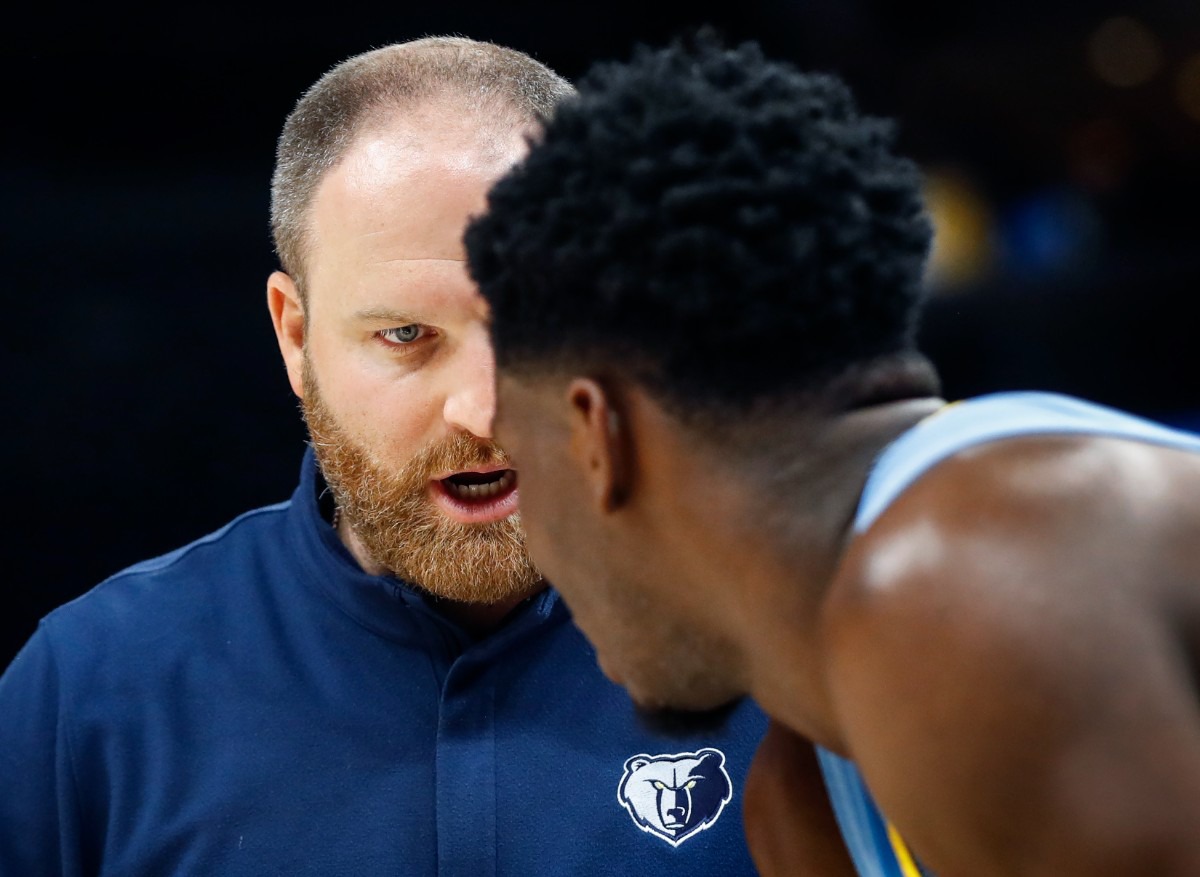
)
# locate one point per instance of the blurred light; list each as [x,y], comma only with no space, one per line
[1187,87]
[1124,52]
[1050,233]
[962,220]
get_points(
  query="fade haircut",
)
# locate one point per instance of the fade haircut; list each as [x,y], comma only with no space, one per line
[367,89]
[723,228]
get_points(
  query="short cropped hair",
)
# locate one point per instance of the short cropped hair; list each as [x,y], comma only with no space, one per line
[367,89]
[723,225]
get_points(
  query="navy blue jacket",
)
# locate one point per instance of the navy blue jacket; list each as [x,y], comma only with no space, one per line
[255,704]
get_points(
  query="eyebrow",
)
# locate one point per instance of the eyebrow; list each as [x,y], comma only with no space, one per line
[386,315]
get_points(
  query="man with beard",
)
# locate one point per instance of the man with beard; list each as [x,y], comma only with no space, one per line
[371,678]
[705,280]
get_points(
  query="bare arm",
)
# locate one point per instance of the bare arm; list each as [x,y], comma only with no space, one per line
[1008,665]
[790,826]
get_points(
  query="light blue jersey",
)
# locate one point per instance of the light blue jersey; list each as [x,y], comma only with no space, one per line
[876,849]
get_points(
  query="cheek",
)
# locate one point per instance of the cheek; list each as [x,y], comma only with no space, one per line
[551,535]
[391,416]
[534,516]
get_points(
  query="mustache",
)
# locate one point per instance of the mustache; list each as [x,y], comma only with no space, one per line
[457,452]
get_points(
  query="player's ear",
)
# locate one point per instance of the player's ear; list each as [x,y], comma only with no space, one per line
[600,441]
[287,315]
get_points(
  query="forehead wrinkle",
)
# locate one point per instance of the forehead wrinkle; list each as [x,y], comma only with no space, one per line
[417,259]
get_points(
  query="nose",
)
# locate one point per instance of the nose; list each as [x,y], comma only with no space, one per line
[471,391]
[671,806]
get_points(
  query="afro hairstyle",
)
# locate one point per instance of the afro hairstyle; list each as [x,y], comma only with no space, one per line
[719,226]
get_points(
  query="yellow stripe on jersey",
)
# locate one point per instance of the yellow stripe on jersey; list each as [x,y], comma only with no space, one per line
[908,865]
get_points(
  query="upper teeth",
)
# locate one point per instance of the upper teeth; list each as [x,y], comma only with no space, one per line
[481,491]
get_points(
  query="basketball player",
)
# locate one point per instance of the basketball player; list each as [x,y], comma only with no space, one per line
[704,282]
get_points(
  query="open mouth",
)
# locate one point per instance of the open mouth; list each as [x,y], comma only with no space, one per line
[468,486]
[476,497]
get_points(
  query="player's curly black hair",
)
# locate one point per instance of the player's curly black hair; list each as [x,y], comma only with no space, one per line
[727,226]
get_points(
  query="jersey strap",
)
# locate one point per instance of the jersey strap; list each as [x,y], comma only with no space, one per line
[875,846]
[961,425]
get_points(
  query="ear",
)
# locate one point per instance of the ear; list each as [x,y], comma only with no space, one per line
[600,441]
[287,315]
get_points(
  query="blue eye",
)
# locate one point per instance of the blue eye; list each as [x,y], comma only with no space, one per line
[403,334]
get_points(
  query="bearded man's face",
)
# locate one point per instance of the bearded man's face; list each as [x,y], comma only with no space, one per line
[395,367]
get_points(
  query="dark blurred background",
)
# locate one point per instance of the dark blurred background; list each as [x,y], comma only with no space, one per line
[147,401]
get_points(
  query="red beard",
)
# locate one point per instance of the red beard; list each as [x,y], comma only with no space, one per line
[392,515]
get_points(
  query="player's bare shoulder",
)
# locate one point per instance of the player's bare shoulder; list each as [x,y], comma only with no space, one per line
[1089,512]
[1021,621]
[1015,544]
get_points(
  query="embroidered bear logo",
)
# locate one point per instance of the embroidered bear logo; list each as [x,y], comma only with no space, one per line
[675,796]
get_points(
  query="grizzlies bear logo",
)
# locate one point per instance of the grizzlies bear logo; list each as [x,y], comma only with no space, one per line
[675,796]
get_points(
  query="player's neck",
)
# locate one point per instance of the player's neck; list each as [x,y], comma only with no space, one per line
[806,511]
